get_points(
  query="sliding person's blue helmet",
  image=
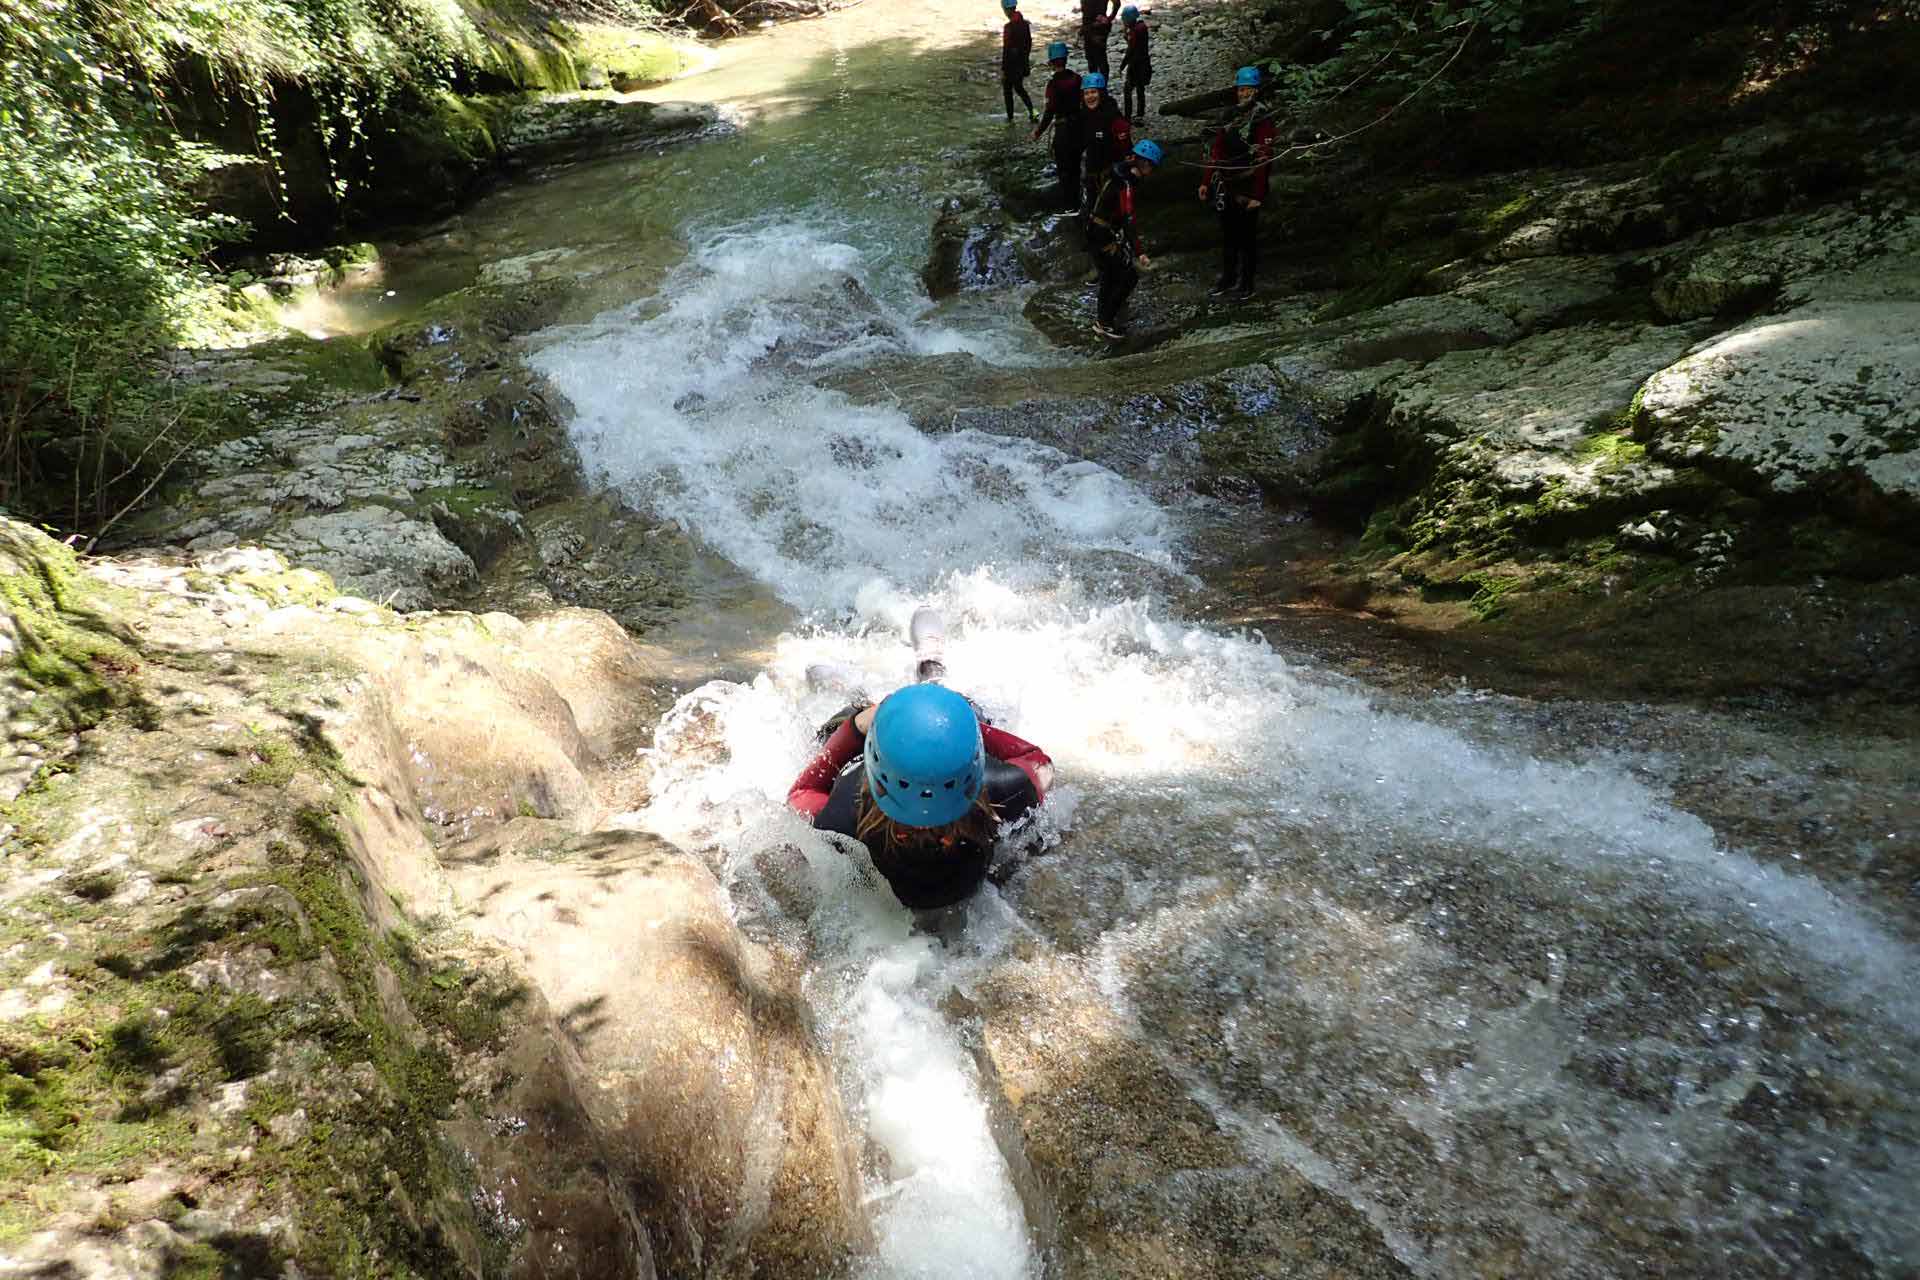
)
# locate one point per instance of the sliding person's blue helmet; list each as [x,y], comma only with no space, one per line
[1092,80]
[1247,78]
[1130,14]
[1149,150]
[926,762]
[1009,5]
[1057,51]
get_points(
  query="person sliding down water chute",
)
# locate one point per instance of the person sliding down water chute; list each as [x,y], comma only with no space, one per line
[1105,133]
[1016,58]
[923,783]
[1236,183]
[1063,116]
[1114,241]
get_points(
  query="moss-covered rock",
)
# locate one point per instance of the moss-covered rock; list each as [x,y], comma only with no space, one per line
[241,1030]
[64,644]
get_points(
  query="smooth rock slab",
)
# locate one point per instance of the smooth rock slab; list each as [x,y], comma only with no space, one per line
[1829,391]
[378,553]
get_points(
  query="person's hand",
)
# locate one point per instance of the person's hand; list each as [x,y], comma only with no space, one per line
[1036,135]
[1146,263]
[1251,204]
[863,720]
[1203,191]
[1045,773]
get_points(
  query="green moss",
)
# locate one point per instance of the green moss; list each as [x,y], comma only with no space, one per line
[67,650]
[275,760]
[292,586]
[1612,449]
[631,57]
[41,814]
[1489,598]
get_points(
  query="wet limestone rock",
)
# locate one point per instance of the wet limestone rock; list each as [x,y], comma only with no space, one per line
[544,130]
[708,1086]
[235,969]
[1822,400]
[486,740]
[1790,259]
[378,552]
[1147,1182]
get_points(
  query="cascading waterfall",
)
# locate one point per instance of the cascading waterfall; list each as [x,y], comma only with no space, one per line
[1376,910]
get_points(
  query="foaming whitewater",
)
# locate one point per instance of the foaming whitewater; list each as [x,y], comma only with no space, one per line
[697,405]
[1262,823]
[942,1204]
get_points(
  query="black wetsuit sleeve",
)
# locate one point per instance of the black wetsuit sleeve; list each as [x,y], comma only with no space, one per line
[1010,790]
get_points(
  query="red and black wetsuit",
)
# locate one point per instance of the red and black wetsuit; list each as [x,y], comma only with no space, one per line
[1136,69]
[1096,23]
[1063,114]
[1106,136]
[1016,60]
[831,791]
[1114,241]
[1236,175]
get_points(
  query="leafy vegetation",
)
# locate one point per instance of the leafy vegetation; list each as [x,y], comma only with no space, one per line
[117,122]
[1389,69]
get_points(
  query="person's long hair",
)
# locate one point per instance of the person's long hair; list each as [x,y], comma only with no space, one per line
[882,834]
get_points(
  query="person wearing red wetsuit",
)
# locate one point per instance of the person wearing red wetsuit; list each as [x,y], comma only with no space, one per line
[1114,240]
[844,789]
[1063,117]
[1016,59]
[1236,183]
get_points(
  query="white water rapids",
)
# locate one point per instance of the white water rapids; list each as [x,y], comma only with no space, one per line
[1242,832]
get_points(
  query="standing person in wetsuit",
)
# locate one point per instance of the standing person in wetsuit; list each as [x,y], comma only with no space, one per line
[1136,65]
[1063,116]
[1236,183]
[924,785]
[1096,24]
[1105,132]
[1114,240]
[1016,58]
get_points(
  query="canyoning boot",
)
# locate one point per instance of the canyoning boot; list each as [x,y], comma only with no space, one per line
[928,632]
[1243,291]
[1221,287]
[1111,332]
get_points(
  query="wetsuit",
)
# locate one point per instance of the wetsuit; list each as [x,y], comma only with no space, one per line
[831,791]
[1114,241]
[1136,69]
[1237,178]
[1106,135]
[1063,113]
[1096,23]
[1016,60]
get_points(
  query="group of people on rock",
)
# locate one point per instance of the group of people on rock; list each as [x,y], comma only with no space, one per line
[1098,161]
[1096,23]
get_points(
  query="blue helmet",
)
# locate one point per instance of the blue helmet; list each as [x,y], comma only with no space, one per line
[926,762]
[1130,14]
[1092,80]
[1149,150]
[1009,5]
[1057,51]
[1247,78]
